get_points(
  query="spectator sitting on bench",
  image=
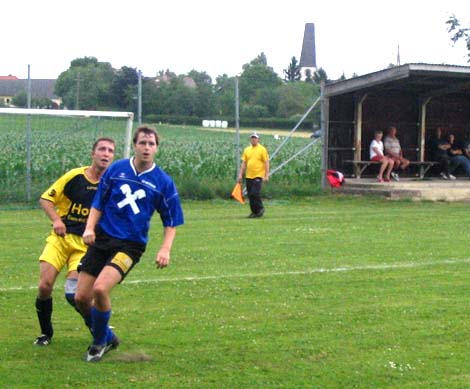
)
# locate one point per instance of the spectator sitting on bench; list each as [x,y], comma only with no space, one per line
[393,150]
[466,145]
[438,151]
[457,158]
[376,152]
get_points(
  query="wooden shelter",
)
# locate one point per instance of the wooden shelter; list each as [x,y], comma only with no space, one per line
[415,98]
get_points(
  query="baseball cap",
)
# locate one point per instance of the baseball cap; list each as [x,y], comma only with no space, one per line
[254,135]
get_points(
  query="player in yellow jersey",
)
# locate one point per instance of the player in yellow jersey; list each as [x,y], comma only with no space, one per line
[255,166]
[67,204]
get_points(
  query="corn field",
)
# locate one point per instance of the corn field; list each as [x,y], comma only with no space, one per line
[203,163]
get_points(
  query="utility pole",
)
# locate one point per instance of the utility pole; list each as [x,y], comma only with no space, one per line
[77,96]
[28,140]
[237,124]
[139,97]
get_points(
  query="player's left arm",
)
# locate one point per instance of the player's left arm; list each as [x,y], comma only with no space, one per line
[163,256]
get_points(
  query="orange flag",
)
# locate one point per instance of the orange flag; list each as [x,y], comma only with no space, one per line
[237,193]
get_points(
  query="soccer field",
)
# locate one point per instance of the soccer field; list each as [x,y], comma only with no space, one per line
[323,292]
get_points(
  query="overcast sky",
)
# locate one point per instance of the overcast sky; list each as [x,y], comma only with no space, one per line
[219,37]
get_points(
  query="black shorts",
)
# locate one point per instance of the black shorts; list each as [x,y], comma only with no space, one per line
[123,255]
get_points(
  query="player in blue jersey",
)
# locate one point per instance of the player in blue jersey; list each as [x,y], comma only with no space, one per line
[67,203]
[129,193]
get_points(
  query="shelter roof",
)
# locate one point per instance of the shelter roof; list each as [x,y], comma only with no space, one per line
[421,79]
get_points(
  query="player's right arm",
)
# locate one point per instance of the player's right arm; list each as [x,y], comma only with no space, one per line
[50,210]
[93,219]
[242,171]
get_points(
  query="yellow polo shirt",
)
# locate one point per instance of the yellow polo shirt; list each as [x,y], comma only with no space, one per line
[255,159]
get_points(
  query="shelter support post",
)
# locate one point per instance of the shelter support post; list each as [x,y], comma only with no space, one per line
[422,129]
[358,132]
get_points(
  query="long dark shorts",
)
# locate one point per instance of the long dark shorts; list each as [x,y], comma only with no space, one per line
[123,255]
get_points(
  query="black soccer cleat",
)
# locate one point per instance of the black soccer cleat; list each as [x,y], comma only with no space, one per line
[43,340]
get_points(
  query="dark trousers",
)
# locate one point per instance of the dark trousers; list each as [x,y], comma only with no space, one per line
[444,164]
[253,188]
[460,160]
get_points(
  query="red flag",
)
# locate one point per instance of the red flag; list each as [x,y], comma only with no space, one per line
[237,193]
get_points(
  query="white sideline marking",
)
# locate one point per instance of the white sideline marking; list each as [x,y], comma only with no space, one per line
[384,266]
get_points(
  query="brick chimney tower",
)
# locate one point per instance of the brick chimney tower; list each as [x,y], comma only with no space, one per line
[308,57]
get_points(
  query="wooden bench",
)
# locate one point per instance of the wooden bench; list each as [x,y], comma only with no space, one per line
[360,166]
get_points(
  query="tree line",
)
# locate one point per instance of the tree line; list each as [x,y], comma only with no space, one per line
[90,84]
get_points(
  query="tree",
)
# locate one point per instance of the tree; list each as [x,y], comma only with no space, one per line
[296,97]
[319,76]
[204,104]
[181,98]
[224,92]
[292,73]
[124,88]
[268,98]
[21,100]
[257,76]
[308,76]
[258,85]
[459,33]
[200,78]
[85,61]
[86,84]
[260,60]
[151,96]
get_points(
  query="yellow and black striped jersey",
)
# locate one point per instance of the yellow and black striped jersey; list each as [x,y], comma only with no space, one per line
[72,195]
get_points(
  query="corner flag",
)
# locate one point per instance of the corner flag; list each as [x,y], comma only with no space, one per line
[237,193]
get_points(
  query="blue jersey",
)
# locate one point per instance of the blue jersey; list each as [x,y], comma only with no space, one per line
[128,199]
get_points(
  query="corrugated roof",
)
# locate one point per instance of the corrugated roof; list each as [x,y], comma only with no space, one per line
[420,78]
[39,88]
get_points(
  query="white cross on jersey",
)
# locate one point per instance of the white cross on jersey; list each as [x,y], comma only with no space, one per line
[131,197]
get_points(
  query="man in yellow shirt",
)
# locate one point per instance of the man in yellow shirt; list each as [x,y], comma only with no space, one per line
[255,162]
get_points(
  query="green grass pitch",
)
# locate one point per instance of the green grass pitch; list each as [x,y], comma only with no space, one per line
[325,292]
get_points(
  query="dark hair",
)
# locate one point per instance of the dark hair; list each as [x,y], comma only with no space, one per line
[110,140]
[146,130]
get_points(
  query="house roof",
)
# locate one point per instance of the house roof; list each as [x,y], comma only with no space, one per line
[425,80]
[39,88]
[10,77]
[187,81]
